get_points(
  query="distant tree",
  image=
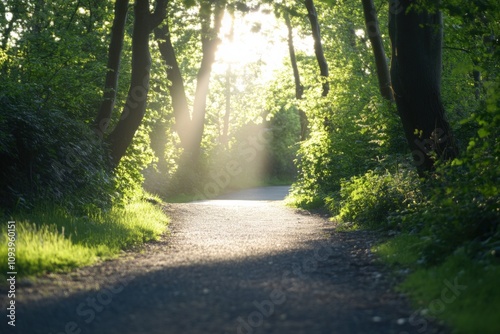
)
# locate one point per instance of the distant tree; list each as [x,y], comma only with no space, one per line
[227,92]
[190,128]
[299,88]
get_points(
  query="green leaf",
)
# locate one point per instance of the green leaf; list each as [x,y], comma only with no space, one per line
[483,133]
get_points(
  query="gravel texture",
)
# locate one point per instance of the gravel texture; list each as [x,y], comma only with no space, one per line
[227,266]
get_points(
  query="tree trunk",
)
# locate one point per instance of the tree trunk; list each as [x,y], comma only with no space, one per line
[373,31]
[175,84]
[209,41]
[190,129]
[299,88]
[135,107]
[101,122]
[225,128]
[416,40]
[318,47]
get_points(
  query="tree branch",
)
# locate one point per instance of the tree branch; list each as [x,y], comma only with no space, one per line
[159,14]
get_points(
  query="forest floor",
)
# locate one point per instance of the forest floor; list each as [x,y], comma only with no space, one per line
[244,263]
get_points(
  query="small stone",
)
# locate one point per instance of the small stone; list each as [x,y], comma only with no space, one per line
[401,321]
[376,319]
[206,291]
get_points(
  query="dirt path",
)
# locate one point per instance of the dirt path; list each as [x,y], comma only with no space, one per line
[229,266]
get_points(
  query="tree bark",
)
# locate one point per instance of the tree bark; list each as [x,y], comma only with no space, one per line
[373,31]
[318,46]
[135,107]
[175,84]
[101,122]
[299,88]
[209,42]
[416,39]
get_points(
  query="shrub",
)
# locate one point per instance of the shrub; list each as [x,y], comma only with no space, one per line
[369,200]
[46,155]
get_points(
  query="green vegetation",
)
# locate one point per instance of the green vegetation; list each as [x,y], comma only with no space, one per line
[460,290]
[52,239]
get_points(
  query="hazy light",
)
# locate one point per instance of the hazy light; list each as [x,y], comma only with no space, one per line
[258,37]
[360,32]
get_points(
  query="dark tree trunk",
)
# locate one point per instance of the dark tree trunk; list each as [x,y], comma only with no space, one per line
[373,31]
[318,46]
[175,84]
[416,40]
[101,122]
[135,107]
[299,88]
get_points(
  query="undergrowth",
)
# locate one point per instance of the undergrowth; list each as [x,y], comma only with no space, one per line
[461,291]
[51,238]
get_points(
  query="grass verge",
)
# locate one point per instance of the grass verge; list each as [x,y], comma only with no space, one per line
[51,239]
[460,291]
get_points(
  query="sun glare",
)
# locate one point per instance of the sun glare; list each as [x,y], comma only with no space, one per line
[258,37]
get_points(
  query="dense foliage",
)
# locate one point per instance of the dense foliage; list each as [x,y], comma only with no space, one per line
[356,162]
[47,156]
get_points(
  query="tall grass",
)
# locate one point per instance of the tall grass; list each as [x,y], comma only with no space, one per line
[51,239]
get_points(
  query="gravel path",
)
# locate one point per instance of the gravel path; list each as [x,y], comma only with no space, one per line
[228,266]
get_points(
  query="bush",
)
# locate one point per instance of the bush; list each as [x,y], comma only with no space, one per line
[128,174]
[369,200]
[46,155]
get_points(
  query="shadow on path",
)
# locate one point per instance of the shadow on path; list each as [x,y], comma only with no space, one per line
[251,267]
